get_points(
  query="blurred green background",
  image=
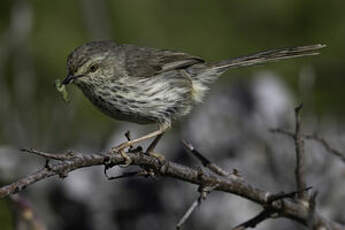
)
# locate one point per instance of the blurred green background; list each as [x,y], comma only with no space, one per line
[36,37]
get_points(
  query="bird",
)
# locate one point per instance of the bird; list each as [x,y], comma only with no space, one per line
[154,86]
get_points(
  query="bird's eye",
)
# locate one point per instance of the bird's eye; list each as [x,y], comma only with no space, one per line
[93,68]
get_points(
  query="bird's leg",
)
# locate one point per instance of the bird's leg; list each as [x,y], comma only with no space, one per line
[120,148]
[152,146]
[154,143]
[124,145]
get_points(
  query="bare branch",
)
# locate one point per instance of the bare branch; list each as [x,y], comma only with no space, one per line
[312,208]
[316,138]
[267,212]
[282,131]
[283,195]
[204,191]
[189,211]
[253,222]
[204,161]
[326,145]
[59,157]
[234,185]
[300,156]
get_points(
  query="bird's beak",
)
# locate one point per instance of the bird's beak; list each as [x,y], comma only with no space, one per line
[69,78]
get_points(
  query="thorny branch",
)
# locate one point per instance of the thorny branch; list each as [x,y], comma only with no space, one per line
[308,200]
[312,207]
[206,162]
[251,223]
[267,212]
[277,205]
[204,191]
[316,138]
[238,186]
[300,155]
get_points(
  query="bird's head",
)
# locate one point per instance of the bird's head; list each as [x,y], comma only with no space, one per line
[90,63]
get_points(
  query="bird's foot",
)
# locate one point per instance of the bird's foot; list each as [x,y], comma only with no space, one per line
[121,150]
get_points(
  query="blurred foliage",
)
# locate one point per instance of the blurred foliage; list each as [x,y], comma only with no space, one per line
[5,215]
[211,29]
[214,30]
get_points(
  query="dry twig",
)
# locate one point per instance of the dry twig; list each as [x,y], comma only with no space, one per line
[316,138]
[204,161]
[267,212]
[204,191]
[312,208]
[253,222]
[238,186]
[300,156]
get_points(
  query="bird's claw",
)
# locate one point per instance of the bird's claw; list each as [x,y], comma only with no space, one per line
[128,160]
[121,150]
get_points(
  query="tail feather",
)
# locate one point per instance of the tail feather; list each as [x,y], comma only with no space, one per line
[204,75]
[267,56]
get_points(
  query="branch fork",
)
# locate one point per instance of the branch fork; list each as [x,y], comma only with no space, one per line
[214,178]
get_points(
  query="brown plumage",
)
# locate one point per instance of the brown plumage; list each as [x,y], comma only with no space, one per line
[147,85]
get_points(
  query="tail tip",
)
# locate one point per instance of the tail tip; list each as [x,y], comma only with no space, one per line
[320,46]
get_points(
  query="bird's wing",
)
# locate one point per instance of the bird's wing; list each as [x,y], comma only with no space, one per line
[147,62]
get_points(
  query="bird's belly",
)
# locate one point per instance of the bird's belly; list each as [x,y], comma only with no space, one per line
[141,107]
[122,110]
[118,108]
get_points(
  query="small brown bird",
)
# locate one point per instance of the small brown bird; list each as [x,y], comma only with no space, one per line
[147,85]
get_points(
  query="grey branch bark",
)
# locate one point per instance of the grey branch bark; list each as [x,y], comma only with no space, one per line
[316,138]
[68,162]
[300,156]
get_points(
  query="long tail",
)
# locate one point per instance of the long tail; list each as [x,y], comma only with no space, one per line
[202,77]
[267,56]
